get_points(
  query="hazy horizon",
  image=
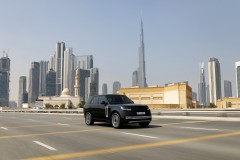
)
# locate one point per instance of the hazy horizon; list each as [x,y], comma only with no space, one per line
[178,35]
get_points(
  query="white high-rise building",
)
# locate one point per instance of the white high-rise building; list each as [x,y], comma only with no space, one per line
[214,75]
[68,78]
[104,89]
[52,62]
[237,68]
[116,86]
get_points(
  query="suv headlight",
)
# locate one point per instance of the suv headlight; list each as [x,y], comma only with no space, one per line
[125,109]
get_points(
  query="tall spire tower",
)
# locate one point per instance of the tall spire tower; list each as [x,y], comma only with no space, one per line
[141,70]
[202,86]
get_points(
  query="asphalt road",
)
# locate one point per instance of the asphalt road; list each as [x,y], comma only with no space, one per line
[45,137]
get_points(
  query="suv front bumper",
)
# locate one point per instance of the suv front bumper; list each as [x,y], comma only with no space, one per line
[137,117]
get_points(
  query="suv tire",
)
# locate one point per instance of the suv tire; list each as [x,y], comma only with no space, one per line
[89,119]
[116,120]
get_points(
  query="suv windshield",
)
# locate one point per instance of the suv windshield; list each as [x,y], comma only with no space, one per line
[118,99]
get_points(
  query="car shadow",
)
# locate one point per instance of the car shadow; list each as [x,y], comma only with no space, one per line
[126,126]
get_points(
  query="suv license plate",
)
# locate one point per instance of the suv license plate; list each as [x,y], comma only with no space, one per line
[140,113]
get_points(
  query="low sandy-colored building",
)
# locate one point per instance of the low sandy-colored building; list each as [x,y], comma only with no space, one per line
[195,104]
[228,103]
[175,95]
[65,99]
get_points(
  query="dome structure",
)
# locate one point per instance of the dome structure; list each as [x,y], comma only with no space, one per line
[65,92]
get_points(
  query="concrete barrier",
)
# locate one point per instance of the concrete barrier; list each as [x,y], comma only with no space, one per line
[77,111]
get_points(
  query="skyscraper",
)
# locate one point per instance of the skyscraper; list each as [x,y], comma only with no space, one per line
[135,78]
[237,68]
[52,62]
[84,62]
[51,83]
[42,77]
[59,66]
[116,86]
[22,98]
[89,76]
[207,95]
[94,81]
[227,88]
[141,70]
[4,95]
[214,75]
[68,79]
[33,88]
[194,96]
[84,83]
[202,86]
[104,89]
[4,80]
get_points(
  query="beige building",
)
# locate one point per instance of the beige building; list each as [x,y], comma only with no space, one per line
[177,95]
[228,103]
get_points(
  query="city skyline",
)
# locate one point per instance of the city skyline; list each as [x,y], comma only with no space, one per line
[178,35]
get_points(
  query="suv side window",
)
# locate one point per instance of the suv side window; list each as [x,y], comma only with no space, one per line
[94,100]
[89,100]
[102,98]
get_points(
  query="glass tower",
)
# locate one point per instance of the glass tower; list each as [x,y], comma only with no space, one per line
[4,80]
[33,88]
[202,86]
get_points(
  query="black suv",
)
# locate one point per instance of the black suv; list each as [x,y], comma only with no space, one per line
[116,109]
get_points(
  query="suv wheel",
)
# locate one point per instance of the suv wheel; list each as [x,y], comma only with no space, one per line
[144,124]
[116,121]
[88,119]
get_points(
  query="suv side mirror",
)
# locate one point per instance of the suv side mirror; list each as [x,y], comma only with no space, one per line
[104,103]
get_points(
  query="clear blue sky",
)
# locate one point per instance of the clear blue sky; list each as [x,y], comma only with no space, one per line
[178,35]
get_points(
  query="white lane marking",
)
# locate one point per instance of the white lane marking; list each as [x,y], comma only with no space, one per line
[31,120]
[208,129]
[44,145]
[139,135]
[4,128]
[63,124]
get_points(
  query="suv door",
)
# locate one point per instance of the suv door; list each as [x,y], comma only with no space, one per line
[103,107]
[93,106]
